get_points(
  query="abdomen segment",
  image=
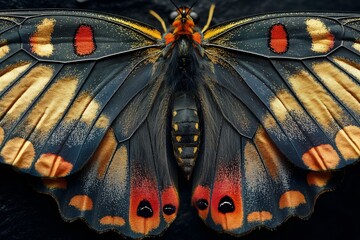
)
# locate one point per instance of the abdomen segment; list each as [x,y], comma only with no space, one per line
[185,131]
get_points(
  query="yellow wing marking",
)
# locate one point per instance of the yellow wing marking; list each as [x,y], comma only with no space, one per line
[316,100]
[10,73]
[40,41]
[213,32]
[340,84]
[149,31]
[348,142]
[18,152]
[4,48]
[322,38]
[16,101]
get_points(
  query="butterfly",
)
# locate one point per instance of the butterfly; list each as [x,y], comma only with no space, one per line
[258,112]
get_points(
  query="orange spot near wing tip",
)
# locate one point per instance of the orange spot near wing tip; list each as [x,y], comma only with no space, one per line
[144,196]
[52,165]
[112,220]
[260,216]
[81,202]
[278,40]
[201,200]
[319,179]
[320,158]
[291,199]
[84,42]
[170,203]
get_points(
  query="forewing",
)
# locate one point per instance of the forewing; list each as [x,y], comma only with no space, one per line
[300,78]
[280,108]
[65,77]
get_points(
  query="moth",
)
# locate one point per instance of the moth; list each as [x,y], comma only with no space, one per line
[258,113]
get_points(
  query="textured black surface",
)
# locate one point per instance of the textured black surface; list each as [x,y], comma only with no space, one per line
[25,214]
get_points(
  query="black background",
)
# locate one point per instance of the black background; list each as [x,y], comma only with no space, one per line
[25,214]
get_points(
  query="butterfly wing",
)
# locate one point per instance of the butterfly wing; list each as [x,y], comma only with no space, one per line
[284,91]
[81,88]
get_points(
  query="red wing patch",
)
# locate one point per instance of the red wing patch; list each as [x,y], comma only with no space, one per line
[144,214]
[226,199]
[84,42]
[278,39]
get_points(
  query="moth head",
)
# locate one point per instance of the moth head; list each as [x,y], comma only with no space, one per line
[183,15]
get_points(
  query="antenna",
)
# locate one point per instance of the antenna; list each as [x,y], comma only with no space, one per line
[177,8]
[192,6]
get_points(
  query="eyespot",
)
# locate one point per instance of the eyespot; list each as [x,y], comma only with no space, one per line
[172,16]
[195,17]
[202,204]
[169,209]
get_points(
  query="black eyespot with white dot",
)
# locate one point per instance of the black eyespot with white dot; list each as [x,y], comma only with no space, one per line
[169,209]
[144,209]
[202,204]
[226,205]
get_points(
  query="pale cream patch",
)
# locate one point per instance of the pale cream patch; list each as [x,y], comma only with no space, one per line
[356,45]
[348,142]
[322,38]
[50,108]
[40,41]
[2,135]
[18,152]
[340,84]
[316,100]
[350,66]
[17,99]
[86,108]
[4,49]
[10,73]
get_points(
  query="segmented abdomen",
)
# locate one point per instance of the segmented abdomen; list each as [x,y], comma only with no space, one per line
[185,131]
